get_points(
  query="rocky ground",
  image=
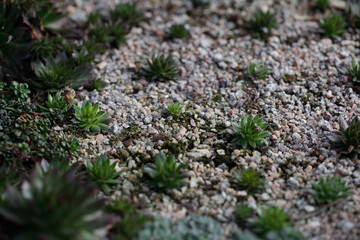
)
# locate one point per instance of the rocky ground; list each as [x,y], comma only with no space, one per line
[302,100]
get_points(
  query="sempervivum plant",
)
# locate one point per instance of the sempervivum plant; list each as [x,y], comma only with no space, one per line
[52,205]
[257,71]
[333,25]
[250,132]
[55,106]
[262,22]
[127,13]
[166,173]
[273,219]
[330,189]
[103,173]
[161,68]
[249,180]
[354,71]
[90,118]
[347,140]
[177,31]
[57,72]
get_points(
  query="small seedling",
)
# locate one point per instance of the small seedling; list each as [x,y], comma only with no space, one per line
[248,180]
[166,174]
[90,118]
[273,219]
[347,140]
[21,90]
[174,109]
[333,25]
[262,22]
[330,189]
[103,173]
[354,71]
[56,106]
[127,13]
[178,31]
[161,68]
[322,5]
[257,71]
[242,213]
[250,132]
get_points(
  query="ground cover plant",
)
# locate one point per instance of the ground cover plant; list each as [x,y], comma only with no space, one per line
[333,25]
[161,68]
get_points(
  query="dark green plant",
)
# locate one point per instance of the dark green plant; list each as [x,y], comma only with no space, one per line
[250,132]
[161,68]
[201,3]
[55,106]
[177,31]
[333,25]
[322,5]
[96,84]
[21,90]
[90,118]
[273,219]
[248,180]
[165,174]
[347,140]
[127,13]
[330,189]
[52,206]
[257,71]
[112,34]
[130,222]
[242,213]
[262,22]
[57,72]
[174,109]
[354,71]
[192,227]
[103,173]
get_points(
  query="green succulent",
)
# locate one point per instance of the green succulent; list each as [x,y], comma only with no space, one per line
[55,106]
[330,189]
[90,118]
[248,180]
[273,219]
[250,132]
[21,90]
[178,31]
[52,206]
[45,47]
[354,71]
[201,3]
[112,34]
[58,72]
[96,84]
[103,173]
[322,5]
[165,174]
[262,22]
[347,140]
[242,213]
[174,109]
[127,13]
[161,68]
[257,71]
[333,25]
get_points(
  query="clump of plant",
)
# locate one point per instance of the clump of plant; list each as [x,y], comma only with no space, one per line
[55,106]
[96,84]
[249,180]
[201,3]
[21,90]
[250,132]
[242,213]
[272,219]
[178,31]
[330,189]
[322,5]
[333,25]
[52,205]
[127,14]
[90,118]
[347,140]
[174,109]
[354,71]
[161,68]
[257,71]
[103,173]
[112,34]
[130,222]
[166,174]
[192,227]
[262,22]
[60,71]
